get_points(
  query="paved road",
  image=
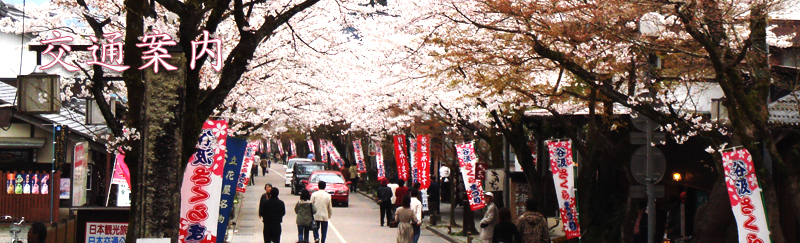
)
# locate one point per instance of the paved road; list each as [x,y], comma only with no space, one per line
[357,223]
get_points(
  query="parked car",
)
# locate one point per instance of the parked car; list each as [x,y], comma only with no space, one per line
[334,185]
[300,173]
[289,169]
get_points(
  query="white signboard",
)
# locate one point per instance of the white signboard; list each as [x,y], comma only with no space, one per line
[495,180]
[99,232]
[123,195]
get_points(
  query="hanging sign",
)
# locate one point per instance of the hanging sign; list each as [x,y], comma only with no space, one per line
[294,149]
[745,196]
[467,160]
[563,169]
[268,146]
[233,162]
[323,153]
[335,157]
[400,156]
[310,145]
[423,158]
[280,146]
[412,158]
[379,159]
[247,164]
[202,181]
[79,173]
[480,170]
[362,168]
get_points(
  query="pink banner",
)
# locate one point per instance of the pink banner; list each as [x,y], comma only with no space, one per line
[202,182]
[294,149]
[280,146]
[310,145]
[247,165]
[323,153]
[400,156]
[563,169]
[362,168]
[121,174]
[379,159]
[745,196]
[268,147]
[423,158]
[335,157]
[467,160]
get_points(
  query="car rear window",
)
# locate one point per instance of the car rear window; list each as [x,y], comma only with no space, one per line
[307,169]
[328,178]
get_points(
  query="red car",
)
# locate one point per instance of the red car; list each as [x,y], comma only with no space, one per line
[334,185]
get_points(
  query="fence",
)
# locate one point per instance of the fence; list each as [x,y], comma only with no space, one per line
[17,197]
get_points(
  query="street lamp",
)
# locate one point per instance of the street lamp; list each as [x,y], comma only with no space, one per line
[676,176]
[39,93]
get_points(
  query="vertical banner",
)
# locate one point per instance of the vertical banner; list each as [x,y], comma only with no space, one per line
[480,170]
[233,161]
[202,181]
[423,158]
[412,155]
[311,146]
[467,160]
[400,156]
[563,169]
[268,146]
[362,168]
[79,173]
[294,149]
[745,196]
[280,146]
[379,160]
[247,165]
[60,147]
[335,157]
[323,153]
[122,177]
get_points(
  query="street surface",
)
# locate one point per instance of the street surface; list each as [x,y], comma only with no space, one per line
[354,224]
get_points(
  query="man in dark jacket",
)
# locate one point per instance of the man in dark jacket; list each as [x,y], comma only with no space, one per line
[385,201]
[433,197]
[271,211]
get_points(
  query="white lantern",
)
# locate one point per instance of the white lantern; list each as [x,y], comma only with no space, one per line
[93,114]
[39,93]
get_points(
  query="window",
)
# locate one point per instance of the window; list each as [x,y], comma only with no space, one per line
[16,155]
[328,178]
[790,57]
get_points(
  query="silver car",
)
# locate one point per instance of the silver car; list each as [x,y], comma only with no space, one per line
[289,167]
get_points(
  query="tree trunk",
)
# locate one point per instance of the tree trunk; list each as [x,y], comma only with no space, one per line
[714,217]
[163,120]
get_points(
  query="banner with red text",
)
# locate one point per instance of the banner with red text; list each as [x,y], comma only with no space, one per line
[247,165]
[202,183]
[280,146]
[563,169]
[294,149]
[423,158]
[310,145]
[412,158]
[268,147]
[400,156]
[379,159]
[323,153]
[335,157]
[745,196]
[467,161]
[362,167]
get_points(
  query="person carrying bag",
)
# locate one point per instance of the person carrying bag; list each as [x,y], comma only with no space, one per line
[305,211]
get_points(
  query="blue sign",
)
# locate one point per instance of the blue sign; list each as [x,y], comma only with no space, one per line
[230,175]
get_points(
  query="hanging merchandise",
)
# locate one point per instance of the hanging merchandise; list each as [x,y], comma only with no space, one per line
[745,196]
[202,181]
[474,187]
[400,156]
[362,168]
[563,169]
[423,161]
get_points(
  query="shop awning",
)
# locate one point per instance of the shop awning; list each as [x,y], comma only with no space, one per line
[21,143]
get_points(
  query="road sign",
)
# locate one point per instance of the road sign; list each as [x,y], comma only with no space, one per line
[639,165]
[639,191]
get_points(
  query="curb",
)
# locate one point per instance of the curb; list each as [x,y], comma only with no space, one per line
[442,235]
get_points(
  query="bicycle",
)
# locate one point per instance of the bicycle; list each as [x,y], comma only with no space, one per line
[15,229]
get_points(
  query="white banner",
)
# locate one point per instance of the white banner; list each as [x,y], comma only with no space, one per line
[563,169]
[80,167]
[745,196]
[379,160]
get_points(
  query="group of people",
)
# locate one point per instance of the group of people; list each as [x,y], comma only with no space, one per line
[264,163]
[313,212]
[401,207]
[497,226]
[350,173]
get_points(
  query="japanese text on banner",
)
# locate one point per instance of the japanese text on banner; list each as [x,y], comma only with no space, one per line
[745,196]
[379,159]
[233,162]
[400,156]
[247,165]
[563,169]
[101,232]
[474,187]
[202,182]
[412,156]
[362,168]
[423,160]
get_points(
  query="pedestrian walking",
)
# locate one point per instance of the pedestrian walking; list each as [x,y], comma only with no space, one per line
[271,211]
[384,197]
[400,193]
[416,206]
[263,164]
[532,225]
[393,185]
[346,172]
[433,198]
[267,189]
[506,231]
[405,222]
[305,211]
[322,201]
[489,219]
[353,178]
[253,173]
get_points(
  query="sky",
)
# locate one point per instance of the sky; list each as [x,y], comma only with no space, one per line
[37,2]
